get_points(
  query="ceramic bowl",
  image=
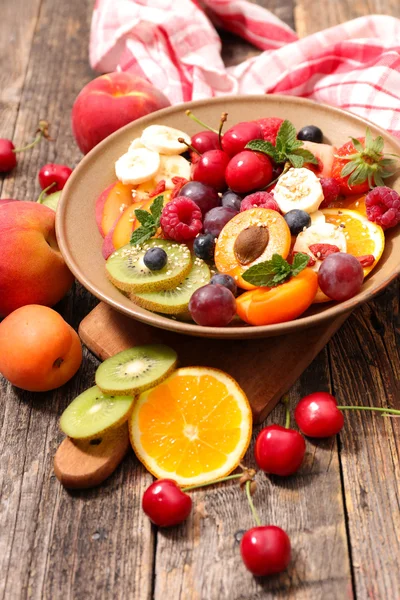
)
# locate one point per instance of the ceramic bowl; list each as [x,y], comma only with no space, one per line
[80,241]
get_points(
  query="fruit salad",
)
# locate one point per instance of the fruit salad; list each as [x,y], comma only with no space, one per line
[254,224]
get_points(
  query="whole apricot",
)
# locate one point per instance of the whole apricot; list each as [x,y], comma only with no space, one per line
[39,350]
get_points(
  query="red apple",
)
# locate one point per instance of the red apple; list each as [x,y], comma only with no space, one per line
[32,269]
[110,102]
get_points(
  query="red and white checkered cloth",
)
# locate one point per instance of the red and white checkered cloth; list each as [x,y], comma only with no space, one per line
[173,44]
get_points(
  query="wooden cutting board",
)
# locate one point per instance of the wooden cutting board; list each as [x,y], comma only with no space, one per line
[264,368]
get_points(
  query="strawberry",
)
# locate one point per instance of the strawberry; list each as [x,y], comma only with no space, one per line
[360,165]
[270,127]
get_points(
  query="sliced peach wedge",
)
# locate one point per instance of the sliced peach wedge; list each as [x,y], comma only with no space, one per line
[118,199]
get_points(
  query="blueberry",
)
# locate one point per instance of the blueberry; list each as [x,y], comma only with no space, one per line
[231,200]
[204,245]
[225,280]
[310,133]
[155,259]
[297,220]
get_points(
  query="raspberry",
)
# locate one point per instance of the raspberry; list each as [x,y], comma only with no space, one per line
[383,206]
[181,219]
[270,127]
[331,189]
[259,200]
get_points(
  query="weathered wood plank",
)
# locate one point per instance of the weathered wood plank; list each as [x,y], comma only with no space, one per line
[312,15]
[366,372]
[54,543]
[201,560]
[18,22]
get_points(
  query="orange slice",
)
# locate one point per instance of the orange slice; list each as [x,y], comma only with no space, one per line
[193,427]
[227,259]
[362,236]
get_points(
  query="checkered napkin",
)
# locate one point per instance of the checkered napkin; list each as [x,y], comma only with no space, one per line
[173,44]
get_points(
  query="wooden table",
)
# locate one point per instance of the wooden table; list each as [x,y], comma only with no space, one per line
[341,510]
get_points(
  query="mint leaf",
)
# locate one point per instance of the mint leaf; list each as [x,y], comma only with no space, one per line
[156,209]
[265,147]
[287,135]
[295,160]
[141,235]
[299,263]
[271,273]
[144,218]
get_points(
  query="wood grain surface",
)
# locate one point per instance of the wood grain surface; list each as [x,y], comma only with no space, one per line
[341,510]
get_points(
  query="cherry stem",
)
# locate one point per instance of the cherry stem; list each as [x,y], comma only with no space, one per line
[195,487]
[386,411]
[44,192]
[42,131]
[251,504]
[224,116]
[285,402]
[182,141]
[194,118]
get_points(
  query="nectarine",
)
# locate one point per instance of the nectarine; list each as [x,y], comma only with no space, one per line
[108,103]
[39,350]
[32,269]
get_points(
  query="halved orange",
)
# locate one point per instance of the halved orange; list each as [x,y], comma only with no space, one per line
[193,427]
[227,259]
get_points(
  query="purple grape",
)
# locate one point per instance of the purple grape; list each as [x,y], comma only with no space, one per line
[205,196]
[225,280]
[216,219]
[340,276]
[212,306]
[231,200]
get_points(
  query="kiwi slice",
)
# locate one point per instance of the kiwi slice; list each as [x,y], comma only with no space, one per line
[93,412]
[135,370]
[127,271]
[175,301]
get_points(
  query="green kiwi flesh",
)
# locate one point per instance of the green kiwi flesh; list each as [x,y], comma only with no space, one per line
[135,370]
[93,412]
[175,301]
[126,270]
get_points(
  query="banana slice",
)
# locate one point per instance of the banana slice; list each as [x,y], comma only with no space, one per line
[317,217]
[137,166]
[136,143]
[298,188]
[172,166]
[321,233]
[164,140]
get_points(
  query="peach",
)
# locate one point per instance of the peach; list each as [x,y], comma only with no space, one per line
[39,350]
[100,202]
[110,102]
[118,199]
[32,269]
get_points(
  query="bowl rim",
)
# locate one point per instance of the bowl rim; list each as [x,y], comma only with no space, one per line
[332,311]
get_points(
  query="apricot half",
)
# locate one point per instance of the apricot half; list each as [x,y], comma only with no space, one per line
[265,306]
[251,237]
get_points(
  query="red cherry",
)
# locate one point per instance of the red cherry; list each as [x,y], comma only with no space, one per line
[165,504]
[248,171]
[54,173]
[236,138]
[279,451]
[265,550]
[8,158]
[204,141]
[317,415]
[210,169]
